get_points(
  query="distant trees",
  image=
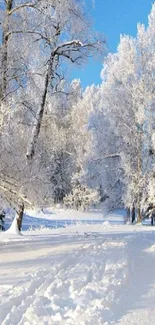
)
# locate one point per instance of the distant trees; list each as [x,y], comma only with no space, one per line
[81,197]
[58,139]
[104,167]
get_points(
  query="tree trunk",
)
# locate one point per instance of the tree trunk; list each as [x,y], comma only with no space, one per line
[140,175]
[139,217]
[38,120]
[133,214]
[128,214]
[9,4]
[40,112]
[20,216]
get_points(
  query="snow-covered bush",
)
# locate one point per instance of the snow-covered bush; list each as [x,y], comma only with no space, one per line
[82,197]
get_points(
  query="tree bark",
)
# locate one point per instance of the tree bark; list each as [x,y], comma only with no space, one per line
[128,214]
[133,214]
[139,217]
[140,175]
[40,112]
[37,124]
[9,5]
[20,214]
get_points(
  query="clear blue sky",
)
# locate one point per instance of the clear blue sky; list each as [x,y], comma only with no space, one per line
[113,17]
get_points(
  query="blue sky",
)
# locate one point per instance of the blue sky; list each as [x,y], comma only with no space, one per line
[113,17]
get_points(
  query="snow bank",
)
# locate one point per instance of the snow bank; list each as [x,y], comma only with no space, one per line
[12,234]
[13,228]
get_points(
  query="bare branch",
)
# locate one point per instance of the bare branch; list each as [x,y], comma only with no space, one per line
[28,32]
[24,5]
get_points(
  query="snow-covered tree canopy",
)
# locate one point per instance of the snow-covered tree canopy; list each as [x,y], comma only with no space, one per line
[39,40]
[127,98]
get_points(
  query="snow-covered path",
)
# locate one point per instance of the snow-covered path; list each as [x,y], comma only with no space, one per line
[48,279]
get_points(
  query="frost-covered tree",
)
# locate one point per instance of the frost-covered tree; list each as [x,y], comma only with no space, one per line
[39,39]
[59,139]
[104,167]
[97,156]
[21,184]
[127,99]
[81,197]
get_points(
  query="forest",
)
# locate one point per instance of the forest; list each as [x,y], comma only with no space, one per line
[60,143]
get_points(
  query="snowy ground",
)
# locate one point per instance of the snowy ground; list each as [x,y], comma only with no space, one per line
[85,274]
[58,218]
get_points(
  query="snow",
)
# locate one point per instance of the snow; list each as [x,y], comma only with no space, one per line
[13,228]
[69,214]
[84,274]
